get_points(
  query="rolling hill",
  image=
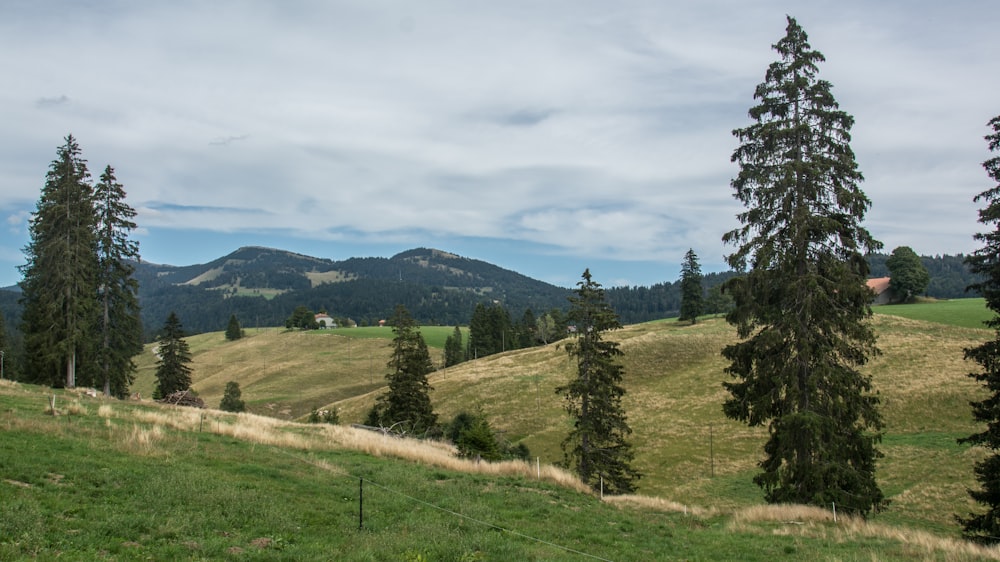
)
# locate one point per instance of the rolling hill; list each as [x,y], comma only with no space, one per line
[689,452]
[262,286]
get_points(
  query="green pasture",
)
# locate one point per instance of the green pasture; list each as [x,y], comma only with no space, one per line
[966,313]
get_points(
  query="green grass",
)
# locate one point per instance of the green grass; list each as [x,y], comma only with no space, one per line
[434,336]
[965,313]
[78,487]
[688,451]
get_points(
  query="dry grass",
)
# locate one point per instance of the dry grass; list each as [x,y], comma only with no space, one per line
[141,440]
[660,504]
[815,522]
[265,430]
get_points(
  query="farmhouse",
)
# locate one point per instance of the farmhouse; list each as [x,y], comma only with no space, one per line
[325,321]
[880,286]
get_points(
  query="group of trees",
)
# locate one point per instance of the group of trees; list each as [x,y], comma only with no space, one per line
[80,319]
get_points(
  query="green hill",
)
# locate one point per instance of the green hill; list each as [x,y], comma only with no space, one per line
[689,452]
[114,480]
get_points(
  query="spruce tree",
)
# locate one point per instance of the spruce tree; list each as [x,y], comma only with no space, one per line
[233,330]
[597,448]
[173,374]
[407,404]
[119,326]
[59,287]
[453,354]
[692,298]
[985,262]
[802,308]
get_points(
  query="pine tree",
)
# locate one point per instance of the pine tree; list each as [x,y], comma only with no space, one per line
[692,295]
[231,398]
[908,275]
[233,330]
[453,354]
[407,404]
[802,310]
[60,273]
[985,262]
[172,371]
[597,448]
[120,326]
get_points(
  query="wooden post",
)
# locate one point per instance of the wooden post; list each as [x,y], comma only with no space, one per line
[361,504]
[711,450]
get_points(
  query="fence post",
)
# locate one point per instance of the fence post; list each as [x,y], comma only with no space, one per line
[834,511]
[361,504]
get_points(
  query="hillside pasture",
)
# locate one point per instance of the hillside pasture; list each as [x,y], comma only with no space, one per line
[965,313]
[687,450]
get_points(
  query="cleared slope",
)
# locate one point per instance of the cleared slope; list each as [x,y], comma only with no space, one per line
[689,452]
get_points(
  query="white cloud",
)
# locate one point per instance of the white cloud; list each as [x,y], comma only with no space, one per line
[513,120]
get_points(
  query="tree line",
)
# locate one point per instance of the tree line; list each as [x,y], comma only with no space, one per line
[80,317]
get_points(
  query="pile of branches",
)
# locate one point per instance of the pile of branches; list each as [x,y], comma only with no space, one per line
[183,398]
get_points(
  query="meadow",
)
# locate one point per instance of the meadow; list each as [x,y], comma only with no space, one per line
[111,480]
[697,498]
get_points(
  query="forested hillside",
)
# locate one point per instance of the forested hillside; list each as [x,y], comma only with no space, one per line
[262,286]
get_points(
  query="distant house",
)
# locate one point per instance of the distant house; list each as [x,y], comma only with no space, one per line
[325,321]
[880,286]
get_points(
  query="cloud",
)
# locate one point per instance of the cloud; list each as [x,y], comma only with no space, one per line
[44,103]
[521,122]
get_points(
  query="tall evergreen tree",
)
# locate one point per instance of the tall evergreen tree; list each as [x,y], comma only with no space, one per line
[407,404]
[802,310]
[173,373]
[233,330]
[908,275]
[597,447]
[692,295]
[453,349]
[120,326]
[985,526]
[525,330]
[60,273]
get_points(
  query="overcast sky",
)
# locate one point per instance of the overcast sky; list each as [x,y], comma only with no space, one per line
[543,136]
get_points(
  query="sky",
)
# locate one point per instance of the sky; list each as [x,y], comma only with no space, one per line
[545,137]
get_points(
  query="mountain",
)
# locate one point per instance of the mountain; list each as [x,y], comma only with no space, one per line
[263,285]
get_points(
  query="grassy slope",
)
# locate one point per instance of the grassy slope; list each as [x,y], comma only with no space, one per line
[689,452]
[128,481]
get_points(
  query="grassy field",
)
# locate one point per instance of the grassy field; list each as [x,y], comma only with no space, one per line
[690,454]
[967,313]
[114,480]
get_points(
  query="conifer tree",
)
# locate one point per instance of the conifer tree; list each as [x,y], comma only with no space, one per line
[802,309]
[692,297]
[233,330]
[597,448]
[120,326]
[985,262]
[453,354]
[173,374]
[60,273]
[407,404]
